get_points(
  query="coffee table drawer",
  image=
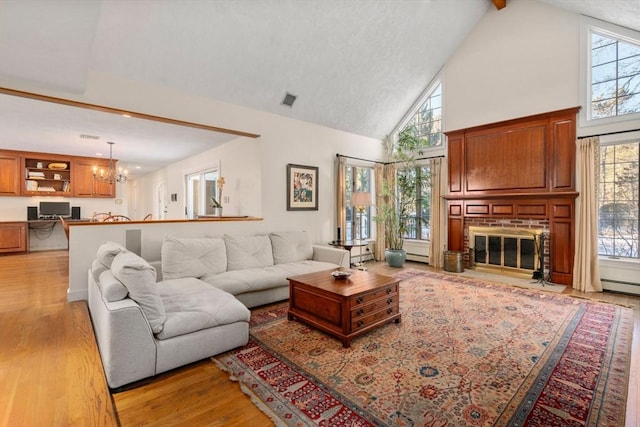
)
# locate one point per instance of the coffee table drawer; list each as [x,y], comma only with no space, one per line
[379,293]
[376,305]
[373,317]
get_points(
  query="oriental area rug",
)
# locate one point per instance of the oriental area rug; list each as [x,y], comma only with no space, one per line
[466,353]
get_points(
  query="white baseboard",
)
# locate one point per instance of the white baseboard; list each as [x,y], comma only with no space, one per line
[77,295]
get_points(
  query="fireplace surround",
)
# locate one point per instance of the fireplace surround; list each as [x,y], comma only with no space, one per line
[517,171]
[508,250]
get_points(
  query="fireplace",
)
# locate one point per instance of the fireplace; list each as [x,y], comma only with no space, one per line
[520,171]
[507,250]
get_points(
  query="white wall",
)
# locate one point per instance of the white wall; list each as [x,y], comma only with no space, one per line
[518,61]
[282,141]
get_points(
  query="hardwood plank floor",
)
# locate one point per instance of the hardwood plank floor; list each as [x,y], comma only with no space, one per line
[50,371]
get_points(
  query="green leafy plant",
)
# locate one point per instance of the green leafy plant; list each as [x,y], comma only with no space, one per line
[399,202]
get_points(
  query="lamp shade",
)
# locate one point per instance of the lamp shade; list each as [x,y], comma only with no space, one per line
[360,199]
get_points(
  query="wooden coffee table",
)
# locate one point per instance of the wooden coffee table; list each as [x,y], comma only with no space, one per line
[344,308]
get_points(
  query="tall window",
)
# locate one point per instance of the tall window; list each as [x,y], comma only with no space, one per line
[418,224]
[618,205]
[421,133]
[358,179]
[615,76]
[424,128]
[201,187]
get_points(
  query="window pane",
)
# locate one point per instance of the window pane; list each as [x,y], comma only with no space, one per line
[603,72]
[605,108]
[605,90]
[618,202]
[615,77]
[627,67]
[358,225]
[424,128]
[626,50]
[606,53]
[598,40]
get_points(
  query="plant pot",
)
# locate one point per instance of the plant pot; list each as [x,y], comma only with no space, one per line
[216,211]
[395,257]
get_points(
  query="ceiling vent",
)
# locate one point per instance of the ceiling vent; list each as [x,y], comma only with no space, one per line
[85,136]
[288,100]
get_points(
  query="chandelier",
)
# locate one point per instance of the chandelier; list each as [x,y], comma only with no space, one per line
[110,175]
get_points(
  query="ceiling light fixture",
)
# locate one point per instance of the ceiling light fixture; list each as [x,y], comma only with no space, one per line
[110,175]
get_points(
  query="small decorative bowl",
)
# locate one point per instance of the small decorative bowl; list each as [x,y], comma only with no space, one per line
[341,275]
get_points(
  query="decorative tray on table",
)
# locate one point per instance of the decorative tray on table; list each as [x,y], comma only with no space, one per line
[341,274]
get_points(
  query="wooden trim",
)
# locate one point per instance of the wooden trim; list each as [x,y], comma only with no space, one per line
[519,120]
[500,4]
[546,195]
[101,108]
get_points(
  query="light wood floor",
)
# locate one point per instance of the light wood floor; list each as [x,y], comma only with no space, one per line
[50,372]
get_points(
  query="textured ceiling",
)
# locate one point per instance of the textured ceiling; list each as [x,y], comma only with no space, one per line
[355,65]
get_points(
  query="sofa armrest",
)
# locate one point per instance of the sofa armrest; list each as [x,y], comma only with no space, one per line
[334,255]
[125,340]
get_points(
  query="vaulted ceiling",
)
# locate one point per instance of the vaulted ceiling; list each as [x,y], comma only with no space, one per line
[355,65]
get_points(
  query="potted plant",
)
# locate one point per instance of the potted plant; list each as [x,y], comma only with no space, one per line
[400,199]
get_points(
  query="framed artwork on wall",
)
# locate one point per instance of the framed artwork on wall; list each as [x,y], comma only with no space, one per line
[302,188]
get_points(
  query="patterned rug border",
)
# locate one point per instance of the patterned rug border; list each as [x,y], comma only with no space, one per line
[358,416]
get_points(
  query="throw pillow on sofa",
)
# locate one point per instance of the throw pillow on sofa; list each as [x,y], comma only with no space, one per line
[245,252]
[192,257]
[140,280]
[291,246]
[108,251]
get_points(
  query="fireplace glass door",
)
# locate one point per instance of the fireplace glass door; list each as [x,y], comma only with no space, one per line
[517,253]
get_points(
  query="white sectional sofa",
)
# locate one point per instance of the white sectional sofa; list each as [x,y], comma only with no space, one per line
[150,317]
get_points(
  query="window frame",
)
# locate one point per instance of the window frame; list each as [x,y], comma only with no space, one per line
[587,26]
[608,141]
[201,208]
[433,150]
[419,205]
[350,233]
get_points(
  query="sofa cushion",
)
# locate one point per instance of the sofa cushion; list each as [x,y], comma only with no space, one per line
[258,279]
[111,288]
[192,305]
[291,246]
[140,280]
[108,251]
[248,251]
[192,257]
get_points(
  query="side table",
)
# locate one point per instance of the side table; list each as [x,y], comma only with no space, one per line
[348,245]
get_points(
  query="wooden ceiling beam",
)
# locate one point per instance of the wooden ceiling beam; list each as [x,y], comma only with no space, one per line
[500,4]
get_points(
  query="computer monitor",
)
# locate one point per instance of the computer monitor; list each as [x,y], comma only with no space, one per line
[55,209]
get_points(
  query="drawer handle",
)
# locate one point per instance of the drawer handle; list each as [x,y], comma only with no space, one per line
[360,311]
[389,311]
[360,323]
[390,300]
[388,290]
[359,300]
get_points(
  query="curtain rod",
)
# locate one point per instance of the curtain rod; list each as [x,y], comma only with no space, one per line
[387,163]
[609,133]
[358,158]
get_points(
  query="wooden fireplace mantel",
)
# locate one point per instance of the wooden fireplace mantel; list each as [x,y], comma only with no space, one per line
[519,169]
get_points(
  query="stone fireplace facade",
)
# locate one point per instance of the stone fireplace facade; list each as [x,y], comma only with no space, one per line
[520,174]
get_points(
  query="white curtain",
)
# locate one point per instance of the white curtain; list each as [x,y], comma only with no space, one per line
[379,180]
[341,213]
[586,270]
[435,244]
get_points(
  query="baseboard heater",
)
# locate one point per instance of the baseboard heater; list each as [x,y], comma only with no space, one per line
[620,286]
